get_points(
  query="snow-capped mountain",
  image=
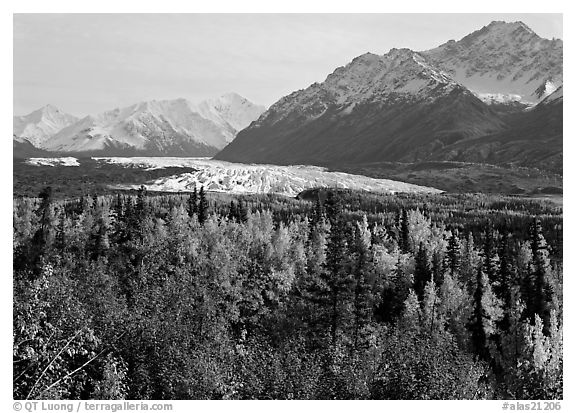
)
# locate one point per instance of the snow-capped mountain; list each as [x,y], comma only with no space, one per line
[166,127]
[554,98]
[408,106]
[40,125]
[231,108]
[391,107]
[400,75]
[503,62]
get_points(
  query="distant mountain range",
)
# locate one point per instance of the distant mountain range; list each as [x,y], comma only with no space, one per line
[495,96]
[484,98]
[170,127]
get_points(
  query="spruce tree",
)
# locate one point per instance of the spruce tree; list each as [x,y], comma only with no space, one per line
[540,272]
[453,254]
[404,242]
[202,206]
[336,277]
[193,203]
[242,211]
[422,273]
[232,211]
[503,288]
[491,260]
[437,269]
[477,323]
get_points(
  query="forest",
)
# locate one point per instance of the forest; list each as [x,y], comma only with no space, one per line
[335,294]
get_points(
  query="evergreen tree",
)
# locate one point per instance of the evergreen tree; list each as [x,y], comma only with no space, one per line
[202,206]
[242,211]
[193,203]
[491,260]
[333,208]
[479,318]
[540,273]
[365,288]
[486,313]
[469,264]
[394,293]
[453,254]
[233,211]
[503,288]
[317,212]
[45,235]
[422,273]
[404,242]
[336,276]
[141,210]
[437,268]
[118,208]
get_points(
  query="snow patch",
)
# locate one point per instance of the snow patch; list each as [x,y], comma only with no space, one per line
[67,161]
[492,98]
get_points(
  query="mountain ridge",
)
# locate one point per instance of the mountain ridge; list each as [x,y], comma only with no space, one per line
[404,106]
[156,127]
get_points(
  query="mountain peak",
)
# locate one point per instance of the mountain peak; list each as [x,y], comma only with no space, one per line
[501,58]
[41,124]
[50,108]
[232,96]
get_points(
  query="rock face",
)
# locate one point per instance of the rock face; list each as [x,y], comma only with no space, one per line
[392,107]
[170,127]
[503,61]
[40,125]
[412,106]
[532,138]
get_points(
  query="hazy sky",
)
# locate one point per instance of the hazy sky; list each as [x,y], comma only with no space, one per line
[88,63]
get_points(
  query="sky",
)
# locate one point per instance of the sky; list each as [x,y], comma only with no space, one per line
[89,63]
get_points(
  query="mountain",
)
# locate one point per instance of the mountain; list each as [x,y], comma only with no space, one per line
[472,100]
[503,62]
[22,149]
[392,107]
[533,138]
[233,109]
[40,125]
[167,127]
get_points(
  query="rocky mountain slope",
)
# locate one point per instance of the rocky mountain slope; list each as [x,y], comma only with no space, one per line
[40,125]
[168,127]
[503,61]
[533,138]
[391,107]
[407,106]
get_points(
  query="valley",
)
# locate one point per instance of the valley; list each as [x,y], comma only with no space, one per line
[73,177]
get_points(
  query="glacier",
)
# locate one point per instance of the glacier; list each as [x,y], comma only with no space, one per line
[238,178]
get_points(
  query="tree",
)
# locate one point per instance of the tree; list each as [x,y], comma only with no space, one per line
[366,290]
[242,211]
[491,260]
[480,318]
[336,277]
[507,278]
[202,207]
[487,311]
[540,274]
[404,241]
[453,254]
[422,273]
[232,211]
[193,203]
